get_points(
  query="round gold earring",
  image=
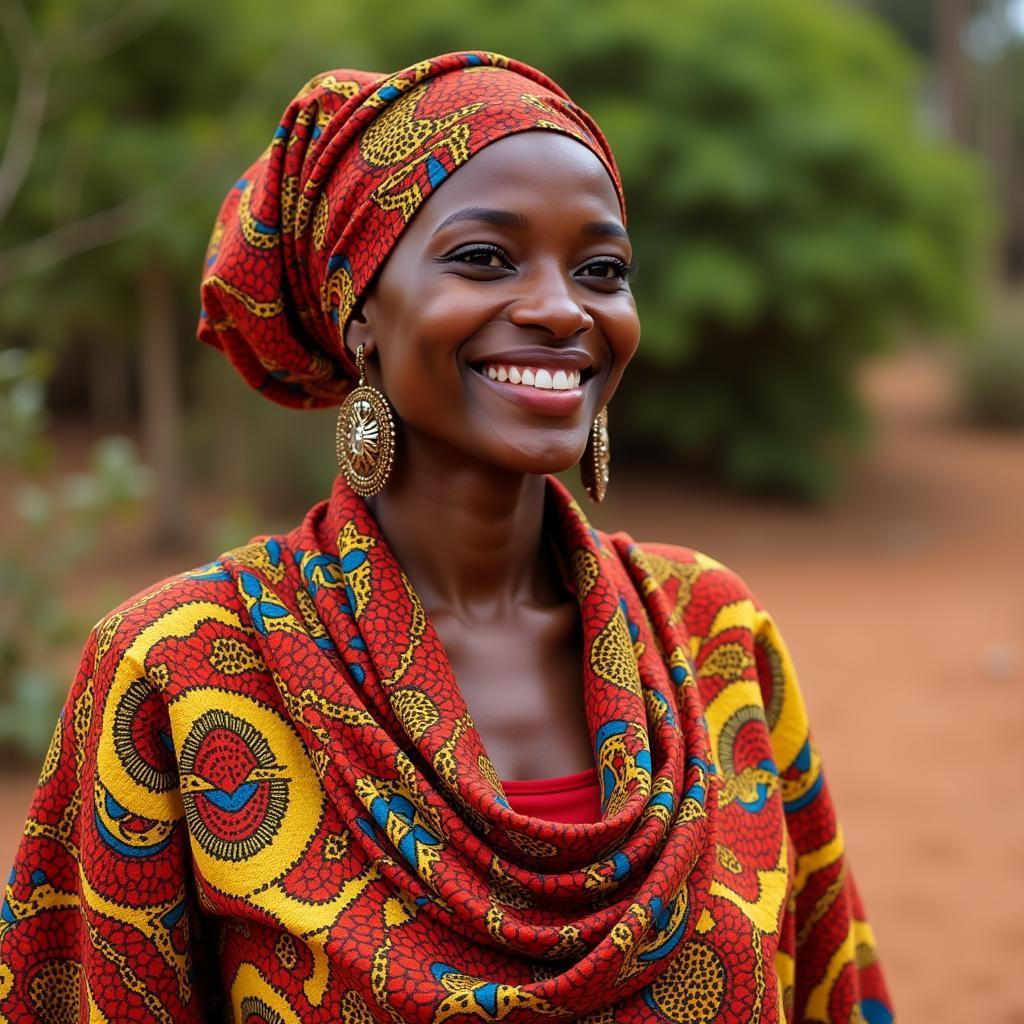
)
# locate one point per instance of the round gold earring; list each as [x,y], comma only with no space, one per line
[365,439]
[596,458]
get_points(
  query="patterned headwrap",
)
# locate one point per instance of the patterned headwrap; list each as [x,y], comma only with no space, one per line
[299,238]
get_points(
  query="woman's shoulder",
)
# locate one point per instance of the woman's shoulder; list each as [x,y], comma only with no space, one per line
[663,563]
[177,611]
[705,597]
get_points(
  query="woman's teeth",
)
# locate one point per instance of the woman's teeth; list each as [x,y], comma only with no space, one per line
[534,377]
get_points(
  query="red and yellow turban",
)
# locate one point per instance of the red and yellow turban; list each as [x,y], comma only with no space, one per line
[300,237]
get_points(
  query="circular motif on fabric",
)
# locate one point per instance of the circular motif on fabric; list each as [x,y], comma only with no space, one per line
[732,755]
[255,1001]
[249,789]
[255,1011]
[145,751]
[777,674]
[691,989]
[238,797]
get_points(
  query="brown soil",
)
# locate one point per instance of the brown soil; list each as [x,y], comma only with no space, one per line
[903,605]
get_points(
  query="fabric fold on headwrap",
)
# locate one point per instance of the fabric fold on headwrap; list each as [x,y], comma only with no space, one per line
[300,237]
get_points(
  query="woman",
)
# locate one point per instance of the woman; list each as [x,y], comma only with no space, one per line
[267,788]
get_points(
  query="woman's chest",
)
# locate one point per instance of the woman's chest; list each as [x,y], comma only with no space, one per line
[523,686]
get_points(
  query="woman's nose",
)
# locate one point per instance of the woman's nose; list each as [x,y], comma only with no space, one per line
[548,300]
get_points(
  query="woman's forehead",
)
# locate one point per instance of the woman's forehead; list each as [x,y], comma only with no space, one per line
[528,169]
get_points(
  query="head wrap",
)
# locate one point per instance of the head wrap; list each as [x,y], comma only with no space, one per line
[300,237]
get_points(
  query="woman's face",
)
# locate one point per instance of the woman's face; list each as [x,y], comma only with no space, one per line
[503,319]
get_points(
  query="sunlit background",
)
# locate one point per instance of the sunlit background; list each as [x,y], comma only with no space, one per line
[827,207]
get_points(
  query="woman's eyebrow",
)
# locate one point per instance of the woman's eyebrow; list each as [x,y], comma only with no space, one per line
[606,227]
[500,218]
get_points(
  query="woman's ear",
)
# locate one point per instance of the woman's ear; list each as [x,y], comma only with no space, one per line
[357,332]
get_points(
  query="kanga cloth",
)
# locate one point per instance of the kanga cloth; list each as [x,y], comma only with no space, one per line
[299,238]
[266,789]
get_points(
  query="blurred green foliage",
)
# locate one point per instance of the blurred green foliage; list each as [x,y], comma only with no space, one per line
[788,216]
[992,372]
[56,523]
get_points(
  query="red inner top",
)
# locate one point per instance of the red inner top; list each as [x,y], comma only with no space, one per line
[573,799]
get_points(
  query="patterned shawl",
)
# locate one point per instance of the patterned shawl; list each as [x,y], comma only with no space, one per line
[266,789]
[301,235]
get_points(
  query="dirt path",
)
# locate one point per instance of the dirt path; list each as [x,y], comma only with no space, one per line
[904,607]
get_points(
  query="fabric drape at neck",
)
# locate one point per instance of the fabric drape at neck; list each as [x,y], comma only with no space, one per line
[399,760]
[299,238]
[285,790]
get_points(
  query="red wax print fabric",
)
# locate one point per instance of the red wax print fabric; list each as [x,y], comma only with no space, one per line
[267,800]
[301,235]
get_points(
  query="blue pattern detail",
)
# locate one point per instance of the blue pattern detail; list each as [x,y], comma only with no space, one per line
[210,572]
[263,609]
[662,919]
[173,916]
[232,802]
[875,1012]
[338,260]
[665,800]
[320,565]
[401,808]
[634,629]
[436,171]
[762,789]
[622,865]
[137,852]
[802,801]
[658,698]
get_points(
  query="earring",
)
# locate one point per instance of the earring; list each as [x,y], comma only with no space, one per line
[596,457]
[365,439]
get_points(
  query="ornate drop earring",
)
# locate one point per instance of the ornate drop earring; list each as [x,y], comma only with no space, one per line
[596,457]
[365,440]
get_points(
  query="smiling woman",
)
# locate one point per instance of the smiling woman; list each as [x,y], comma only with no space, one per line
[443,750]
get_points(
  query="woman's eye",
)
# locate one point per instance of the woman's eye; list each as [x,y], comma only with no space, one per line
[607,270]
[489,256]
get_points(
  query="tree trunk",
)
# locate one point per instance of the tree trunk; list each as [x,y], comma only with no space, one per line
[951,21]
[160,400]
[110,379]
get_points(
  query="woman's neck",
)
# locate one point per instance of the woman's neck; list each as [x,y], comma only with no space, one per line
[468,536]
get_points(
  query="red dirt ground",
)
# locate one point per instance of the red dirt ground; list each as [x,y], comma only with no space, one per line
[903,604]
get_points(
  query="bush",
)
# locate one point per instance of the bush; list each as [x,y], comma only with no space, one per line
[992,379]
[56,526]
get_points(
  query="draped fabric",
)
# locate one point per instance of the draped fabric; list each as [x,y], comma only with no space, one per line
[302,233]
[266,790]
